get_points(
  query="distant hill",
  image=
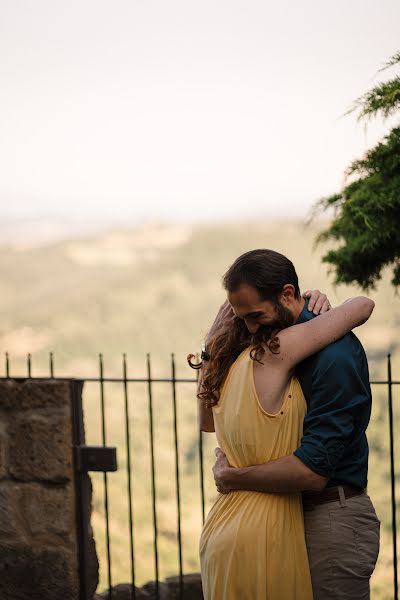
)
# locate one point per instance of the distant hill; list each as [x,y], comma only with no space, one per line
[151,289]
[32,231]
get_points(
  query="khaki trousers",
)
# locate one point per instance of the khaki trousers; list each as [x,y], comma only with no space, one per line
[343,545]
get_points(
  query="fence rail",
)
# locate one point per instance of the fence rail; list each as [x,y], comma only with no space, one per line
[174,381]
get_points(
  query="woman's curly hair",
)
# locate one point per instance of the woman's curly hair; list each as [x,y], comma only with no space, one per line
[267,272]
[225,348]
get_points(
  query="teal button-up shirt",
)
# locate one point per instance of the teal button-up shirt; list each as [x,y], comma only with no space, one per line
[335,383]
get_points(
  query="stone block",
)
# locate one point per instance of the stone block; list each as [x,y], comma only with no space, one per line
[192,588]
[11,524]
[3,453]
[30,573]
[26,394]
[43,394]
[167,590]
[49,511]
[40,447]
[8,393]
[124,591]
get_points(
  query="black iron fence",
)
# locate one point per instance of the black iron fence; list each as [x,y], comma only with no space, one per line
[126,447]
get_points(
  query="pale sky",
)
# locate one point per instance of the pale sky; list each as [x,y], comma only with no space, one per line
[182,109]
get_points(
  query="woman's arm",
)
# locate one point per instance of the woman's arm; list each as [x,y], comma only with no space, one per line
[300,341]
[204,414]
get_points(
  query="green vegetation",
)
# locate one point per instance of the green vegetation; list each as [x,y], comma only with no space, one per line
[157,290]
[367,210]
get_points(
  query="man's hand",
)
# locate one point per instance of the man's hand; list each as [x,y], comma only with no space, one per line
[225,316]
[318,302]
[220,469]
[283,475]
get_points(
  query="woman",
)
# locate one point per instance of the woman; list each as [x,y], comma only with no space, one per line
[252,545]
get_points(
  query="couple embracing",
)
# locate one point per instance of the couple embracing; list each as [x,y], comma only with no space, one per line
[288,396]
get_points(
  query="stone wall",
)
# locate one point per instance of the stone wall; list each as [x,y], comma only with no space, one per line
[167,590]
[38,549]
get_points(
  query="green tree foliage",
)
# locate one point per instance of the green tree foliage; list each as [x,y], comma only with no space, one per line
[384,98]
[366,225]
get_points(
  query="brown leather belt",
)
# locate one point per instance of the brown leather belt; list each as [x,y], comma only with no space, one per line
[311,499]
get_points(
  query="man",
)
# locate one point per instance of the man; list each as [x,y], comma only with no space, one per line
[330,467]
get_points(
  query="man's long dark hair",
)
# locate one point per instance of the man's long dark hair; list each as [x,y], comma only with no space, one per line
[266,271]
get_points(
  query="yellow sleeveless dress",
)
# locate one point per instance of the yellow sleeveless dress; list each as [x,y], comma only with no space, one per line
[252,545]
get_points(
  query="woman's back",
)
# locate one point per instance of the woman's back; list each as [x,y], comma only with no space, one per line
[252,545]
[247,432]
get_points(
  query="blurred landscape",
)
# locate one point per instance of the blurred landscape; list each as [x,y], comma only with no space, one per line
[80,290]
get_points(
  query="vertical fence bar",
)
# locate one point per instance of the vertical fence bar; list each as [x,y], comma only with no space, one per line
[51,365]
[128,469]
[7,365]
[103,429]
[29,365]
[178,495]
[153,477]
[392,476]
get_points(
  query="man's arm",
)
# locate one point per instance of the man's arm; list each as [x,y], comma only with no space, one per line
[284,475]
[338,394]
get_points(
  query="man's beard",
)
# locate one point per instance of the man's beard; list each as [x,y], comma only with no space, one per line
[285,317]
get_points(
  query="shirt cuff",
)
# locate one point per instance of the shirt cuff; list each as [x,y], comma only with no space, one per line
[324,461]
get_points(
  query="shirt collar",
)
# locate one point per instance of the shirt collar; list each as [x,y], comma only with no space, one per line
[305,315]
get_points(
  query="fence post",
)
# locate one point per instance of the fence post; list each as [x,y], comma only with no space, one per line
[82,490]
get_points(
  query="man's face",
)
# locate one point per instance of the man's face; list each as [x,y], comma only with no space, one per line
[247,305]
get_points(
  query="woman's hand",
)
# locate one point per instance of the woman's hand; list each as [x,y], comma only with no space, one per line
[318,301]
[220,469]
